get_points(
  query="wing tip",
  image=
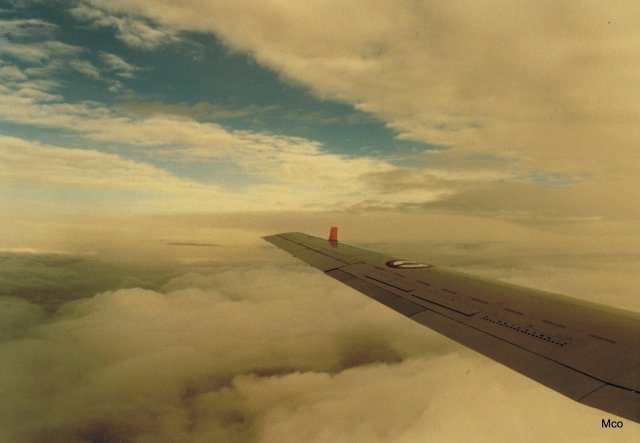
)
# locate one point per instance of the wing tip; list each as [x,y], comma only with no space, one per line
[333,234]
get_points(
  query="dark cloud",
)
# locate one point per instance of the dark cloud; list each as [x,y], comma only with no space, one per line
[536,203]
[54,279]
[202,245]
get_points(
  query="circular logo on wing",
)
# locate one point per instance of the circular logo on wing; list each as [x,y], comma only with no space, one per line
[406,264]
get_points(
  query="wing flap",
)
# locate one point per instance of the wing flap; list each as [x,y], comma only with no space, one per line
[558,377]
[395,302]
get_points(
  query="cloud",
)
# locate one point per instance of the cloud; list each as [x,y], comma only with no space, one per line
[295,168]
[241,353]
[133,31]
[48,280]
[202,245]
[194,379]
[539,87]
[272,165]
[11,73]
[118,65]
[34,54]
[201,111]
[38,164]
[33,42]
[33,29]
[17,316]
[374,66]
[246,170]
[86,68]
[57,179]
[37,52]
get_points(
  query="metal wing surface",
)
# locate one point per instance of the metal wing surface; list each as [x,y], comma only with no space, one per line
[588,352]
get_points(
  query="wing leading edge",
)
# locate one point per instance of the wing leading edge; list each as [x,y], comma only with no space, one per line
[585,351]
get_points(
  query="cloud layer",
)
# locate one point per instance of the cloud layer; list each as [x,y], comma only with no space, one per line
[243,353]
[541,93]
[481,77]
[535,102]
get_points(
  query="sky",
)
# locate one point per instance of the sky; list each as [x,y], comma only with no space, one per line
[147,146]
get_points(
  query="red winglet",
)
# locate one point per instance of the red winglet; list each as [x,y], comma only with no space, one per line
[333,234]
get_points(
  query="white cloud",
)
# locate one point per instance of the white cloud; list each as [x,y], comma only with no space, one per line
[38,164]
[291,172]
[86,68]
[37,53]
[411,66]
[38,56]
[286,167]
[518,91]
[118,65]
[550,86]
[134,31]
[26,28]
[32,41]
[11,74]
[235,354]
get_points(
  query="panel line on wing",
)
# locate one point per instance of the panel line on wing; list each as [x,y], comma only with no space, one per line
[459,309]
[390,283]
[470,326]
[320,250]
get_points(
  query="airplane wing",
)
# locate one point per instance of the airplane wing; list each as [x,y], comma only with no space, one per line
[585,351]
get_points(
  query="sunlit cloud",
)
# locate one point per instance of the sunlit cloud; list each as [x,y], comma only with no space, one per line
[134,31]
[86,68]
[547,84]
[282,163]
[373,66]
[11,73]
[37,164]
[39,55]
[32,41]
[118,65]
